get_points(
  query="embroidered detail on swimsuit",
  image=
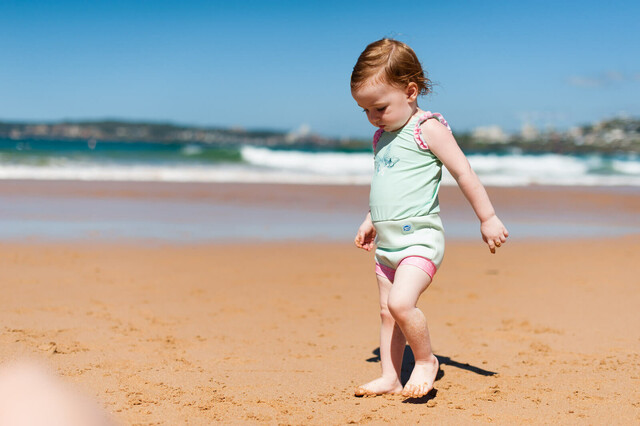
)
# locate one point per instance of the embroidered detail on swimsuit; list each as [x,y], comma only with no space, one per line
[385,161]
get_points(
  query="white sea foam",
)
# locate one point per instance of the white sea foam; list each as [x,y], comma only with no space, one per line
[527,165]
[322,163]
[627,167]
[145,173]
[493,169]
[290,166]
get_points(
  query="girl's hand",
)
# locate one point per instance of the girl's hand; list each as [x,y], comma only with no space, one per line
[493,232]
[366,235]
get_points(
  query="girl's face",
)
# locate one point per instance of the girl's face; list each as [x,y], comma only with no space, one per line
[387,107]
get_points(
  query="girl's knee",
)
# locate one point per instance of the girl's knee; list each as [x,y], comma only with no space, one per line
[399,308]
[385,315]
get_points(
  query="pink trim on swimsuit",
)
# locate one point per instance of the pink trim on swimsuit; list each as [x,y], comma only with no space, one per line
[417,261]
[376,137]
[417,131]
[385,271]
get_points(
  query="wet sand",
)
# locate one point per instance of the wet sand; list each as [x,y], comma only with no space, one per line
[201,213]
[331,197]
[546,331]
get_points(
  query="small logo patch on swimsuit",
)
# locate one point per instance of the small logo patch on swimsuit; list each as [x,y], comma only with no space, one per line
[407,228]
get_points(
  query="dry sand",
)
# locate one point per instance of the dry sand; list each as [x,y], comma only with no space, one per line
[542,332]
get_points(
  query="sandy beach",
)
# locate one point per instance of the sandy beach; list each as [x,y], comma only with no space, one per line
[547,331]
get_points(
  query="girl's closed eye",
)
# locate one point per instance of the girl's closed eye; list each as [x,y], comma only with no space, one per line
[381,109]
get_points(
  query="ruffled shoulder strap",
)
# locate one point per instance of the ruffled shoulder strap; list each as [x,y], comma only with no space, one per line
[417,131]
[376,138]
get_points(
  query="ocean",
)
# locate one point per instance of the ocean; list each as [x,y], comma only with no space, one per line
[113,191]
[157,162]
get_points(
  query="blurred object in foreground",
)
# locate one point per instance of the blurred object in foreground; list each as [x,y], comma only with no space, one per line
[32,396]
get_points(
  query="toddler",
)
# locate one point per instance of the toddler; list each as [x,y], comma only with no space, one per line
[410,147]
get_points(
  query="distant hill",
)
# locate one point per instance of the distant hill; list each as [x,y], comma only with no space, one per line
[125,131]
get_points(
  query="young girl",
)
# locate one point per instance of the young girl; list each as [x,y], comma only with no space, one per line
[410,147]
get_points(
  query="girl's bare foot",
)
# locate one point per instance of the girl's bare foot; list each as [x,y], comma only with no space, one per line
[379,386]
[422,378]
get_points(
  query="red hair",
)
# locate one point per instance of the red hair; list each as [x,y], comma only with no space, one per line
[390,61]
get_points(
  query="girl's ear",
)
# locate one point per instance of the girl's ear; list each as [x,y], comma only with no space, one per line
[412,91]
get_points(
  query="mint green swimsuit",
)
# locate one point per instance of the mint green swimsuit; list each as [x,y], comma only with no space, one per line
[404,196]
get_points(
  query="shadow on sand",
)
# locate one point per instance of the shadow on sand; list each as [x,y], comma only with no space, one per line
[408,361]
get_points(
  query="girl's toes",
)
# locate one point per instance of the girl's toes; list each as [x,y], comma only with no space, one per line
[408,391]
[416,392]
[361,391]
[424,389]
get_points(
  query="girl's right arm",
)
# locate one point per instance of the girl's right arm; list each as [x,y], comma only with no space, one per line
[366,235]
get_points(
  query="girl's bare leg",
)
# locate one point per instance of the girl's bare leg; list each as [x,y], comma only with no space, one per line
[408,285]
[392,343]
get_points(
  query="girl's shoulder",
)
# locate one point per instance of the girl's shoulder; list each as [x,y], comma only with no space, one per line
[427,120]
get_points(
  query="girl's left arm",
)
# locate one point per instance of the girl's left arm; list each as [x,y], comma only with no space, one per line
[444,146]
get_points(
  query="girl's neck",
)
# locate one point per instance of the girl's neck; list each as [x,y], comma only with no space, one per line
[416,113]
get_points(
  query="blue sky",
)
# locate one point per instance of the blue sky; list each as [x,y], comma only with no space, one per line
[282,64]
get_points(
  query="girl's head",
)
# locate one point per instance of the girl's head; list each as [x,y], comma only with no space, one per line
[386,82]
[392,62]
